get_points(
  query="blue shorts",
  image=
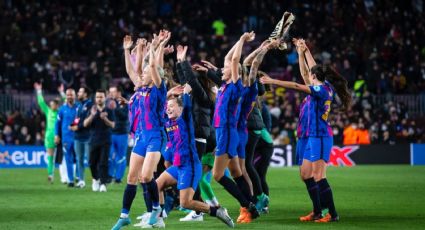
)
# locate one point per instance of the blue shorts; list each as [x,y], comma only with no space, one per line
[227,141]
[149,141]
[314,149]
[243,139]
[187,176]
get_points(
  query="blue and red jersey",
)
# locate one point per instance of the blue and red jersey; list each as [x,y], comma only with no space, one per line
[249,97]
[181,136]
[152,111]
[226,106]
[134,111]
[314,112]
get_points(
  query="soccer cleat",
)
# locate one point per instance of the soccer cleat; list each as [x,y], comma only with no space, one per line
[50,179]
[155,215]
[95,186]
[143,219]
[192,216]
[102,188]
[121,223]
[282,28]
[145,215]
[160,223]
[310,217]
[328,218]
[265,210]
[71,185]
[243,212]
[224,217]
[81,184]
[263,201]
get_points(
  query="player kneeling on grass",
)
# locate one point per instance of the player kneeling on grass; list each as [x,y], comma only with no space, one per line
[186,171]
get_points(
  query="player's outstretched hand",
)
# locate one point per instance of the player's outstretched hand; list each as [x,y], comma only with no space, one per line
[199,68]
[127,42]
[248,36]
[209,65]
[266,80]
[187,89]
[38,86]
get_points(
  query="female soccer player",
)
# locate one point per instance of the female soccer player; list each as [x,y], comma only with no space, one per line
[314,132]
[252,122]
[225,121]
[187,169]
[202,101]
[151,139]
[51,113]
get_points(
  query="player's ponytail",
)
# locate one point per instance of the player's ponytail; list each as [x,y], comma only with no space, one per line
[325,72]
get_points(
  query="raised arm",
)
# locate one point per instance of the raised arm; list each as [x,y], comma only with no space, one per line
[141,51]
[153,65]
[236,57]
[250,58]
[164,39]
[259,59]
[197,90]
[127,43]
[40,99]
[187,104]
[301,50]
[286,84]
[310,60]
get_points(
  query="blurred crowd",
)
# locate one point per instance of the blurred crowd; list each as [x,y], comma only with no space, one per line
[377,45]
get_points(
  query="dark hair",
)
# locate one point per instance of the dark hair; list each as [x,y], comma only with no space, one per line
[101,91]
[87,90]
[325,72]
[118,87]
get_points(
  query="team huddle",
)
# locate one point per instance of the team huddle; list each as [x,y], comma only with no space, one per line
[209,123]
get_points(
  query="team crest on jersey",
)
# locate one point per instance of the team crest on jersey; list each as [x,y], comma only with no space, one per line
[316,88]
[172,128]
[144,94]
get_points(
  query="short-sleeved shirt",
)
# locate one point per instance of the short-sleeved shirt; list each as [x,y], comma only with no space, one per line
[314,112]
[249,97]
[152,111]
[226,106]
[100,133]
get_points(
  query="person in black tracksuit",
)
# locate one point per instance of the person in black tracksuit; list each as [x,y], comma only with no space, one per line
[264,150]
[101,121]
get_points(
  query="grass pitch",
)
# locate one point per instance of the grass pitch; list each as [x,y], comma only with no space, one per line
[366,197]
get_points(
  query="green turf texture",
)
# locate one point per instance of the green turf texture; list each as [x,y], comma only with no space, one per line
[366,197]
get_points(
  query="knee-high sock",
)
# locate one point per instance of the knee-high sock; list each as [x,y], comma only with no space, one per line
[313,191]
[153,192]
[206,190]
[233,189]
[129,194]
[146,197]
[326,197]
[244,187]
[50,165]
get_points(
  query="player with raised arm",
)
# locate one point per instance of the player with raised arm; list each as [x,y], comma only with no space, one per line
[225,122]
[314,131]
[151,139]
[51,112]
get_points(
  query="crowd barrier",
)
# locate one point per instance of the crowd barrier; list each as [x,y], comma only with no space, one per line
[283,156]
